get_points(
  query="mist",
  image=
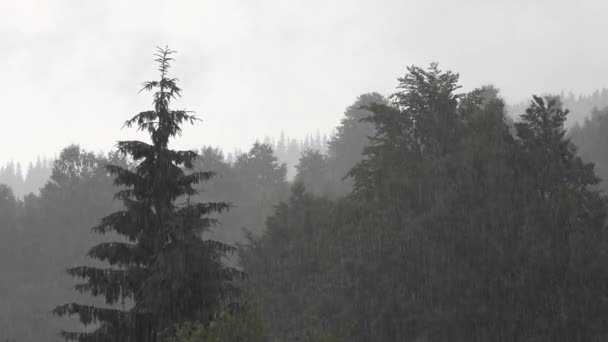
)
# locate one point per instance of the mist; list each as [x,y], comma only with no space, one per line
[303,171]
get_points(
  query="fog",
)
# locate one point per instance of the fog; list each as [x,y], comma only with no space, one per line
[72,68]
[318,171]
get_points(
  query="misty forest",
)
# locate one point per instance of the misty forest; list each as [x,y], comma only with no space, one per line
[429,214]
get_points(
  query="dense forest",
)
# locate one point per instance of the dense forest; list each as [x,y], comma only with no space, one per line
[430,214]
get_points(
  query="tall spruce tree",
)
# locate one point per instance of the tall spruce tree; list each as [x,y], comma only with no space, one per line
[163,268]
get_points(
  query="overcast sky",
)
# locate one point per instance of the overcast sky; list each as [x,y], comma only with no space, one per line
[250,68]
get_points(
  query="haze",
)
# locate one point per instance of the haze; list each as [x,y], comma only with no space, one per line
[365,171]
[72,69]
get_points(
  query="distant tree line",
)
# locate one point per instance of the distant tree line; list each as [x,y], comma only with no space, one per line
[429,215]
[580,106]
[288,150]
[28,181]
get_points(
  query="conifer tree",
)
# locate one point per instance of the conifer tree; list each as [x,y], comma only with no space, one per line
[162,268]
[563,232]
[312,172]
[345,148]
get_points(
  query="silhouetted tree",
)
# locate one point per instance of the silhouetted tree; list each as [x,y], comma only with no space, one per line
[345,148]
[563,232]
[262,181]
[162,266]
[313,174]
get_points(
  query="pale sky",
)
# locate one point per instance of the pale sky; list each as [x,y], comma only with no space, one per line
[250,68]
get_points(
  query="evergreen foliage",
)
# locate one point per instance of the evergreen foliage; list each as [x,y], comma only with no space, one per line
[312,172]
[455,222]
[288,150]
[47,224]
[461,227]
[286,265]
[345,147]
[243,324]
[579,106]
[255,182]
[162,266]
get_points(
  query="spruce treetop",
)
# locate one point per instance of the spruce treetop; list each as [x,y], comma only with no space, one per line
[163,266]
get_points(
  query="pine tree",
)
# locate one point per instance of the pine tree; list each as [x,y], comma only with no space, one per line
[163,267]
[312,172]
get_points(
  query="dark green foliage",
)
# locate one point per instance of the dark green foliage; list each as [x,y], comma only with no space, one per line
[162,268]
[46,236]
[462,227]
[464,200]
[47,223]
[287,264]
[563,231]
[243,324]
